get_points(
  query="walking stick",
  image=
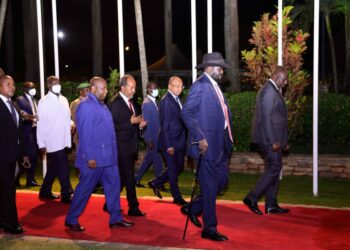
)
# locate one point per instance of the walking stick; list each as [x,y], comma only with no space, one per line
[194,187]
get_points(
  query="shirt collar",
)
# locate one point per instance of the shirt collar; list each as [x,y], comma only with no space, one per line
[5,99]
[175,96]
[153,99]
[124,97]
[211,79]
[274,84]
[29,97]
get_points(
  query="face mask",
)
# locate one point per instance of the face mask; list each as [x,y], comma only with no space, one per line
[155,93]
[32,92]
[56,88]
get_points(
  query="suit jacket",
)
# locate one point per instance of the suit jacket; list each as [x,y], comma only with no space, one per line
[172,129]
[96,134]
[24,105]
[204,119]
[11,147]
[127,133]
[270,124]
[151,115]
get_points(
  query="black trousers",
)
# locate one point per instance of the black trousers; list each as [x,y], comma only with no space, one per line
[58,165]
[8,209]
[127,177]
[269,182]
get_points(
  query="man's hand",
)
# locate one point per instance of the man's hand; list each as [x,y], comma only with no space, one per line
[73,128]
[136,119]
[276,147]
[26,162]
[170,151]
[203,146]
[143,124]
[42,151]
[30,117]
[92,164]
[286,148]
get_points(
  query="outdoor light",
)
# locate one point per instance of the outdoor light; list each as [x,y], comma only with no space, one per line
[60,34]
[66,66]
[127,48]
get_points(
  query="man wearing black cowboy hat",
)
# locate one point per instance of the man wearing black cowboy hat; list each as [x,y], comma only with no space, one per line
[208,119]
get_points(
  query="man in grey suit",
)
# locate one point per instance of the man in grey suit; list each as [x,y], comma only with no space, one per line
[270,132]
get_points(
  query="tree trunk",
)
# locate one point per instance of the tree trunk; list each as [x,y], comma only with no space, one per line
[3,10]
[9,42]
[168,28]
[232,45]
[332,48]
[142,49]
[30,32]
[97,51]
[347,49]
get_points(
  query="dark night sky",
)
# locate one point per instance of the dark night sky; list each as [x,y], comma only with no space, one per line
[74,18]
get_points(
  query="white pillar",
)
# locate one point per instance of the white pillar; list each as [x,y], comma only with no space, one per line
[315,97]
[280,32]
[41,63]
[55,38]
[194,39]
[121,38]
[210,25]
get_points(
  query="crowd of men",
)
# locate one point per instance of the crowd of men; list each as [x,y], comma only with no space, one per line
[106,143]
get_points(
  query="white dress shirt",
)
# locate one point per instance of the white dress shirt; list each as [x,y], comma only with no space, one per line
[54,124]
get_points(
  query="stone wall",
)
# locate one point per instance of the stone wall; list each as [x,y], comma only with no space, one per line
[328,165]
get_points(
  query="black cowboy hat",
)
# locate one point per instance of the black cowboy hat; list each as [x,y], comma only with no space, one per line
[213,59]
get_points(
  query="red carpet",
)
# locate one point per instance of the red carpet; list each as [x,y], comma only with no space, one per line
[302,228]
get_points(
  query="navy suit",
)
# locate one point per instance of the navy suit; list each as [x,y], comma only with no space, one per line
[96,142]
[172,134]
[270,125]
[11,149]
[127,138]
[29,137]
[151,131]
[204,118]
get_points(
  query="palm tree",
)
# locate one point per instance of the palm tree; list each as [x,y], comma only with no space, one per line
[96,37]
[142,49]
[346,11]
[3,10]
[232,45]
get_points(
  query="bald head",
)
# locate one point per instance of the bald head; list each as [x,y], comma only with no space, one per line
[98,87]
[175,85]
[7,86]
[1,72]
[280,76]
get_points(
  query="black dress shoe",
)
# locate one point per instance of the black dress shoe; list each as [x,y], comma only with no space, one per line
[50,196]
[66,200]
[75,227]
[105,208]
[180,201]
[253,206]
[276,210]
[32,184]
[138,184]
[162,188]
[155,190]
[13,230]
[193,218]
[136,212]
[122,223]
[214,236]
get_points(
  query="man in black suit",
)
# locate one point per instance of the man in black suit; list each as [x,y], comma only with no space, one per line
[29,106]
[10,151]
[270,133]
[127,122]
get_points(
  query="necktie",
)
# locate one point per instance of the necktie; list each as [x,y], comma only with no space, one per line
[131,107]
[34,106]
[224,108]
[179,102]
[13,112]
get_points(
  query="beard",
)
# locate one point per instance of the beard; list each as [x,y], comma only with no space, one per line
[216,76]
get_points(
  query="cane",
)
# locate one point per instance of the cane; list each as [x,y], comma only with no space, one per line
[194,187]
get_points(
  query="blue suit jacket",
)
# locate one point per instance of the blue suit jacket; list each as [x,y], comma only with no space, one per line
[270,124]
[172,129]
[97,140]
[202,113]
[151,115]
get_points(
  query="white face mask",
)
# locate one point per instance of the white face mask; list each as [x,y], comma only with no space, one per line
[32,92]
[155,93]
[56,88]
